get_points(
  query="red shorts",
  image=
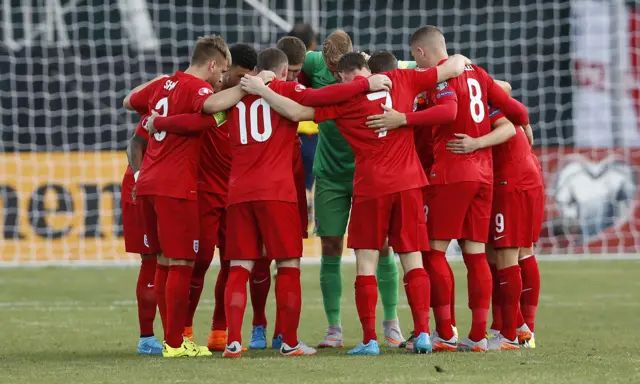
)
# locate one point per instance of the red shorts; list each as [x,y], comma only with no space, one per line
[399,216]
[135,240]
[458,211]
[301,191]
[516,217]
[276,224]
[172,225]
[211,209]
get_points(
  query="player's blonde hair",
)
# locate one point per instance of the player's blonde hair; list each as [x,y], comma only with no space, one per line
[208,47]
[337,44]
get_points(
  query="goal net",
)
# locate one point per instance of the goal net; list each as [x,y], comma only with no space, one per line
[65,66]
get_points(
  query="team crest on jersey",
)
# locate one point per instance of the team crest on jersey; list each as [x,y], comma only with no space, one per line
[205,91]
[442,86]
[300,88]
[146,241]
[196,245]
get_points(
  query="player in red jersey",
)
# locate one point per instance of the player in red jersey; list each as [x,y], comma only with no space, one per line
[259,184]
[460,107]
[167,185]
[387,187]
[135,242]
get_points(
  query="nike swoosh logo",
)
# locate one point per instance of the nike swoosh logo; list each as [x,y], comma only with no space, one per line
[261,281]
[526,289]
[286,351]
[149,285]
[498,237]
[503,283]
[234,349]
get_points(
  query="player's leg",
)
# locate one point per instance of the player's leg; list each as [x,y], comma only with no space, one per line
[387,274]
[280,229]
[259,285]
[242,249]
[479,283]
[408,235]
[333,202]
[444,222]
[135,241]
[496,308]
[509,286]
[209,224]
[218,336]
[178,230]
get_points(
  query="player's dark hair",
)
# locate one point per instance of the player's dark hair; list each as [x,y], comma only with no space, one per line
[382,61]
[305,33]
[351,61]
[244,56]
[270,59]
[294,48]
[426,32]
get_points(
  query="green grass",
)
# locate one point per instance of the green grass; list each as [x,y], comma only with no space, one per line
[62,325]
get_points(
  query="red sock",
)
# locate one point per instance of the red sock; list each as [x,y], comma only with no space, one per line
[219,322]
[496,303]
[452,303]
[159,284]
[510,288]
[438,268]
[519,319]
[177,298]
[418,290]
[366,300]
[289,303]
[277,327]
[235,302]
[146,296]
[479,290]
[203,261]
[259,285]
[530,290]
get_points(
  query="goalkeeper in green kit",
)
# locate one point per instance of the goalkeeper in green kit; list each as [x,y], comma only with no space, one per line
[333,168]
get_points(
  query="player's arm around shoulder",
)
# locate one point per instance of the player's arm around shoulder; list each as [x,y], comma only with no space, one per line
[274,96]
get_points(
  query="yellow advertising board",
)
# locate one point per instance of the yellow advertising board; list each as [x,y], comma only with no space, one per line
[60,207]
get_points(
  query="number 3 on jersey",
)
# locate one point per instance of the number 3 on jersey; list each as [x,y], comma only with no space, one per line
[162,107]
[253,121]
[387,102]
[476,106]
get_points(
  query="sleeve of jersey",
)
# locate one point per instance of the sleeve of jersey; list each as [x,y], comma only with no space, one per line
[140,100]
[514,110]
[326,113]
[329,95]
[444,111]
[141,129]
[185,124]
[495,114]
[422,79]
[199,96]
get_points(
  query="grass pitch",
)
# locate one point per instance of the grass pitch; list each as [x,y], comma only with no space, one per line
[65,325]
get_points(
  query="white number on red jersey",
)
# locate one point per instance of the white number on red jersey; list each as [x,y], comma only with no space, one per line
[499,223]
[253,121]
[162,107]
[387,102]
[476,106]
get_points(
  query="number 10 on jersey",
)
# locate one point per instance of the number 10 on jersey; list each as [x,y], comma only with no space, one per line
[253,121]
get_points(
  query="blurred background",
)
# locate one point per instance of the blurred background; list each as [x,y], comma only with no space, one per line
[66,65]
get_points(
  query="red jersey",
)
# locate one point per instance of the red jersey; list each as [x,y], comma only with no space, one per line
[471,91]
[215,159]
[128,174]
[423,139]
[170,165]
[262,144]
[514,164]
[385,163]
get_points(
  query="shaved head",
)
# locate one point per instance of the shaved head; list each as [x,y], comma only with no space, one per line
[428,46]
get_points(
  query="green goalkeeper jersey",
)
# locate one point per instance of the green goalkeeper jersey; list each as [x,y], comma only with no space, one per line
[334,158]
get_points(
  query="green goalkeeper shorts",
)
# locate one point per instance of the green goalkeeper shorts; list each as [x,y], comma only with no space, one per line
[332,206]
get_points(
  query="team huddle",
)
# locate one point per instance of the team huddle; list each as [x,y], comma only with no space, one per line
[411,156]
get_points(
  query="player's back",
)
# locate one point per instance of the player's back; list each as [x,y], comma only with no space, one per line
[215,159]
[469,90]
[514,163]
[262,145]
[385,162]
[171,158]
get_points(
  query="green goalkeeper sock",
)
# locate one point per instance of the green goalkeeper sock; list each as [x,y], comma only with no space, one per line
[387,274]
[331,287]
